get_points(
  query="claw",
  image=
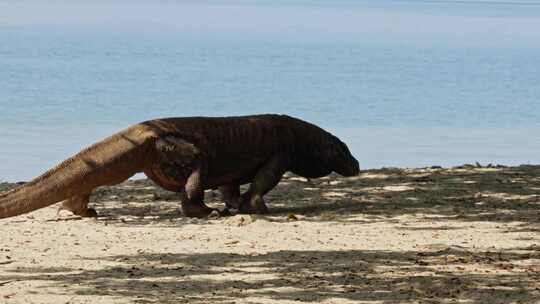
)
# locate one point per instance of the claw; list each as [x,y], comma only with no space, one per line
[216,213]
[213,214]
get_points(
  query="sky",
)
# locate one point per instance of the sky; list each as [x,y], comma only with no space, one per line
[503,23]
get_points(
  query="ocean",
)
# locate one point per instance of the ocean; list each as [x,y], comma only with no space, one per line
[403,83]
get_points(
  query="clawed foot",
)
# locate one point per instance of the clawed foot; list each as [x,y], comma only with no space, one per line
[90,212]
[233,204]
[216,213]
[253,205]
[202,211]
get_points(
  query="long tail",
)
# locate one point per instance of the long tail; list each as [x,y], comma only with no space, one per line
[108,162]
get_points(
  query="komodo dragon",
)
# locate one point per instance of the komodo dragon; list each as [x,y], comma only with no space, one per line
[189,155]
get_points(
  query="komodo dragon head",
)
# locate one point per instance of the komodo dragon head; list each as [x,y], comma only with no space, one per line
[339,159]
[322,154]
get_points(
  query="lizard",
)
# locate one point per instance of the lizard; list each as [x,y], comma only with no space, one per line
[188,155]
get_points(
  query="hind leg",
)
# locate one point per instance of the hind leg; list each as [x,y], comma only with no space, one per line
[78,205]
[193,196]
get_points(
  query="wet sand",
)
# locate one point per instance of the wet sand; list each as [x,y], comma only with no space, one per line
[460,235]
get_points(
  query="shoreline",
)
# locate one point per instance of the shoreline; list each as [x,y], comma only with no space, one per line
[5,183]
[431,235]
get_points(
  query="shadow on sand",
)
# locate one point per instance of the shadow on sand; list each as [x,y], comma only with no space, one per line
[468,194]
[464,194]
[306,276]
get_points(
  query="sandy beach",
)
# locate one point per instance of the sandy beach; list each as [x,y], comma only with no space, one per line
[460,235]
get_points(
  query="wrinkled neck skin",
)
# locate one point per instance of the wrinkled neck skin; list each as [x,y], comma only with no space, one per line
[309,168]
[308,160]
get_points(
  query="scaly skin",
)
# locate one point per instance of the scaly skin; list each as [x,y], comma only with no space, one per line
[189,155]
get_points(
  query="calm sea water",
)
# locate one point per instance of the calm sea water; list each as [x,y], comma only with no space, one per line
[404,83]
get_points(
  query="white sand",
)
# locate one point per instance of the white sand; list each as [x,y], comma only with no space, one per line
[388,236]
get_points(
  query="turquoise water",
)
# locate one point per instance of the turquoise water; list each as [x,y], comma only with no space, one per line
[405,83]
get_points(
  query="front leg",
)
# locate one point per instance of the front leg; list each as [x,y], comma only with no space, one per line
[265,180]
